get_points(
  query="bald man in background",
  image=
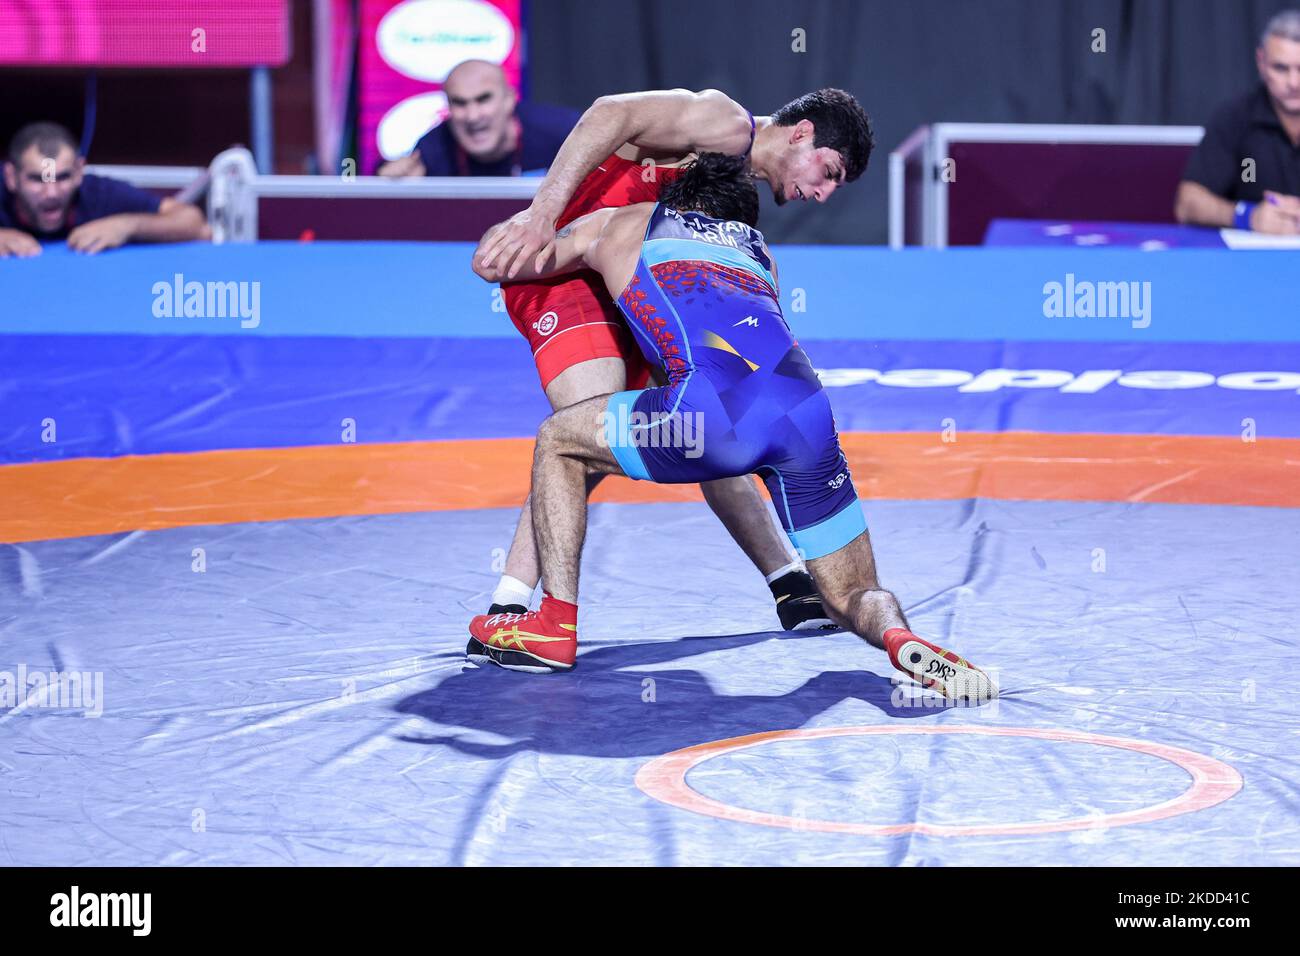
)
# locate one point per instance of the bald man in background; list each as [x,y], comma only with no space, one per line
[488,131]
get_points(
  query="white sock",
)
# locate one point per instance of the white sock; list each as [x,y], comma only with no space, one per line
[795,565]
[511,590]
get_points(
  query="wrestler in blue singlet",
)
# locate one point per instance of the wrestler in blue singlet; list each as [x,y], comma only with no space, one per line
[741,395]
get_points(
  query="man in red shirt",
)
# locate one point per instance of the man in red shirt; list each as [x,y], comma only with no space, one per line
[619,154]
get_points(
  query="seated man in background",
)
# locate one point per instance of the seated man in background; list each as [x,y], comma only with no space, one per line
[47,195]
[1262,126]
[488,132]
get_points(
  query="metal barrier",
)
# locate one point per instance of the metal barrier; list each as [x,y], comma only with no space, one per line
[151,177]
[232,203]
[955,177]
[377,208]
[243,206]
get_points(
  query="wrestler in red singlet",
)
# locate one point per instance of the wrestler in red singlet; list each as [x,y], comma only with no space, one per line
[570,318]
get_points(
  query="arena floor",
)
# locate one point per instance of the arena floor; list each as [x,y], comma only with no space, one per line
[276,601]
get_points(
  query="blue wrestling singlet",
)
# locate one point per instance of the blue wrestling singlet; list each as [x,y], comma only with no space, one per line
[741,396]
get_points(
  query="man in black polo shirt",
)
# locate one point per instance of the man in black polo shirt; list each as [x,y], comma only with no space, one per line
[488,132]
[1246,171]
[47,195]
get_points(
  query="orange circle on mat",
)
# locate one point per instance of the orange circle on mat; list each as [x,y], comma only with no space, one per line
[664,778]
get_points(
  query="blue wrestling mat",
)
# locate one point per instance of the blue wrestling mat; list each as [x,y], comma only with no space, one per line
[1111,532]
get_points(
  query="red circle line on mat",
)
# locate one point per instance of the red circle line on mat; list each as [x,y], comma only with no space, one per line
[664,778]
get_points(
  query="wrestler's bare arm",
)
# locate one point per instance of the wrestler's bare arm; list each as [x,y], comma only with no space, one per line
[607,241]
[566,254]
[674,122]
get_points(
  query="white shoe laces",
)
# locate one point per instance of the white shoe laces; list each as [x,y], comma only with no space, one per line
[497,620]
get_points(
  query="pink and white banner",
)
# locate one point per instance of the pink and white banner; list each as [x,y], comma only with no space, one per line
[407,48]
[144,33]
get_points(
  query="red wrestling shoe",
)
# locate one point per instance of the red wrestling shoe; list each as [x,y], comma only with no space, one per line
[954,677]
[538,642]
[475,651]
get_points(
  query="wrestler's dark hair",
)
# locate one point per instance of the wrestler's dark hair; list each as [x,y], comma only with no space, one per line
[717,185]
[839,122]
[48,138]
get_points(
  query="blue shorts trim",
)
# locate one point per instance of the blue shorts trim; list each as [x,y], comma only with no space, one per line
[617,427]
[827,537]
